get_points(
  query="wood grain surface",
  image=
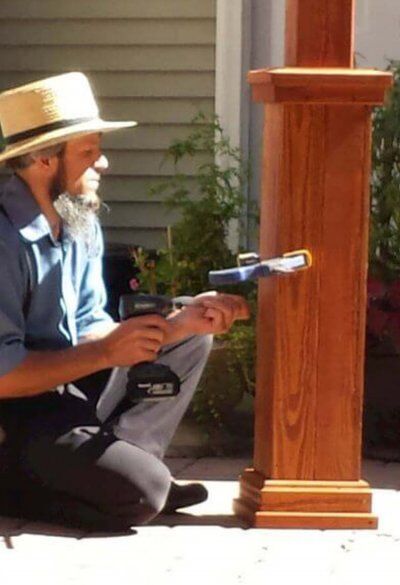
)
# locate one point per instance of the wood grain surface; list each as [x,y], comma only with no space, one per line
[319,33]
[311,325]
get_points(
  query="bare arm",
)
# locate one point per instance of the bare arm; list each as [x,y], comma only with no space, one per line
[129,343]
[43,370]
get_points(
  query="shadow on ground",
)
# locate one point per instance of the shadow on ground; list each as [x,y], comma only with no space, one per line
[381,475]
[11,527]
[183,519]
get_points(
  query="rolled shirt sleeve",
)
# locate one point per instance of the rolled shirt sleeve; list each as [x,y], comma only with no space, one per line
[12,321]
[91,316]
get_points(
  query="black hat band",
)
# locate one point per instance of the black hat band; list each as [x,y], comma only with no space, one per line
[20,136]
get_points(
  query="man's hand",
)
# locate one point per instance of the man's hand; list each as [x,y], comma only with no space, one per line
[135,340]
[223,309]
[210,313]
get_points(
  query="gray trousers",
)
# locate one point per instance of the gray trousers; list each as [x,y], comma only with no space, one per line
[82,467]
[152,426]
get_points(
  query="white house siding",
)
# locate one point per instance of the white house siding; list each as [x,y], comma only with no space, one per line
[149,60]
[377,32]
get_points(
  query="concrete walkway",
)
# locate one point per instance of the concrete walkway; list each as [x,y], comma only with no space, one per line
[209,545]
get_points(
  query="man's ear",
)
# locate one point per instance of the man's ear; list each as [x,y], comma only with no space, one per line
[47,163]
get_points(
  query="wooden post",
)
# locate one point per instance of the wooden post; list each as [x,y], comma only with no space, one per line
[315,195]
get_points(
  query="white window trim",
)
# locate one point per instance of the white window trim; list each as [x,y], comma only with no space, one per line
[229,68]
[232,63]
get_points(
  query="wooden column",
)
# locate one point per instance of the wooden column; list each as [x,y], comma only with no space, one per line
[315,195]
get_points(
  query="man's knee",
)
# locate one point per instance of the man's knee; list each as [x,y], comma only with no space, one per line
[189,356]
[204,344]
[121,481]
[139,489]
[155,483]
[197,355]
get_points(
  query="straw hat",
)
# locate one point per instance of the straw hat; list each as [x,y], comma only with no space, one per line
[50,111]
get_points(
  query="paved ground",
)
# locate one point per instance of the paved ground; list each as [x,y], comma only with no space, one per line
[209,545]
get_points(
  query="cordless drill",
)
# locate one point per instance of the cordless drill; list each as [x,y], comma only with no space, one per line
[149,381]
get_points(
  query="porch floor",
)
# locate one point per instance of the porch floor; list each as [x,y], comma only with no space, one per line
[208,544]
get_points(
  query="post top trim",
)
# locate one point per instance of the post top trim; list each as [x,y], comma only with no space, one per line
[292,75]
[320,85]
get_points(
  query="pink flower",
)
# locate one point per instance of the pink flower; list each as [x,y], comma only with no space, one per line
[134,284]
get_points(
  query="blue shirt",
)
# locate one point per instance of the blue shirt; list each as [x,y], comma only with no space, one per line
[68,294]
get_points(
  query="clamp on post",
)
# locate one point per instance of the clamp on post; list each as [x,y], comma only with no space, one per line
[250,267]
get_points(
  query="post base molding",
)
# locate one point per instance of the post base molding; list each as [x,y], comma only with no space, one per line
[265,503]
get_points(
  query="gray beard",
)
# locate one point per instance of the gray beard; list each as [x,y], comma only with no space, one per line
[78,214]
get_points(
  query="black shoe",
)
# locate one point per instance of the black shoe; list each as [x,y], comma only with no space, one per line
[181,496]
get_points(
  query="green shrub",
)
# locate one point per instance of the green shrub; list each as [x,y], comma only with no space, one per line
[208,201]
[383,315]
[385,185]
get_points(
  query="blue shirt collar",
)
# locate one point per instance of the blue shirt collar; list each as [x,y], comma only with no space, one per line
[23,210]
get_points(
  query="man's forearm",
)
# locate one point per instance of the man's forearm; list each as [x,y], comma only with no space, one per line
[43,370]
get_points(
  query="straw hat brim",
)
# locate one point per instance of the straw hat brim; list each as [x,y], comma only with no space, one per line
[62,135]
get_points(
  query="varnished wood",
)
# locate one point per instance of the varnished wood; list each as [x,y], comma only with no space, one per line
[306,85]
[310,356]
[310,329]
[290,76]
[319,33]
[315,521]
[254,478]
[304,504]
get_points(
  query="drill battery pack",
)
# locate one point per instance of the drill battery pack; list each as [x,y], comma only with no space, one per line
[151,382]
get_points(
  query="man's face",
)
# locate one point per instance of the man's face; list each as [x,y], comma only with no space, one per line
[81,166]
[76,183]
